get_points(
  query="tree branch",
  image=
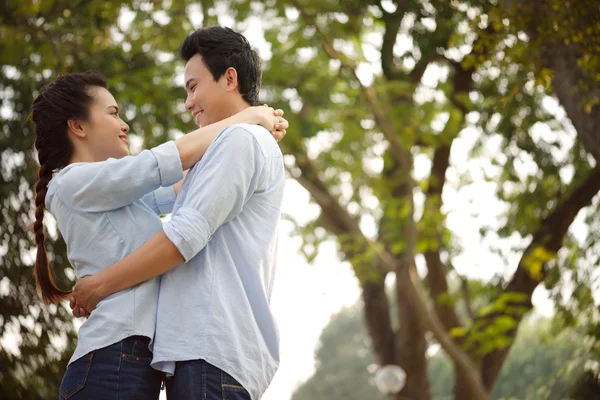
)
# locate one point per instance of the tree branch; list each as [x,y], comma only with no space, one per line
[462,84]
[436,275]
[336,218]
[411,284]
[464,288]
[532,266]
[392,26]
[417,73]
[379,111]
[577,90]
[208,19]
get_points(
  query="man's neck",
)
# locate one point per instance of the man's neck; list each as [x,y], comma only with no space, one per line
[236,106]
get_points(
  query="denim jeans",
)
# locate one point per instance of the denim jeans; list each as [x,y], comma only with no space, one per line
[119,371]
[198,379]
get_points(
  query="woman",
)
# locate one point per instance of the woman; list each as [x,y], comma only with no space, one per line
[106,204]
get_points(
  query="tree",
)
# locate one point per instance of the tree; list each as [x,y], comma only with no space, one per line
[356,140]
[565,44]
[353,144]
[539,366]
[37,41]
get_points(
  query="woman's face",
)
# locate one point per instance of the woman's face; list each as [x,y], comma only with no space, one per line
[106,132]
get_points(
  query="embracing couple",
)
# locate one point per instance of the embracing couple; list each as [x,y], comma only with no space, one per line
[184,302]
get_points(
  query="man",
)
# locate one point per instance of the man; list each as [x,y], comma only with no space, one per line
[215,333]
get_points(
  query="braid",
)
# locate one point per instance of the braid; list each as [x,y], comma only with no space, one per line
[67,97]
[41,188]
[43,272]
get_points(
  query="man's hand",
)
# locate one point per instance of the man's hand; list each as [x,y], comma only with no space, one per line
[86,296]
[78,312]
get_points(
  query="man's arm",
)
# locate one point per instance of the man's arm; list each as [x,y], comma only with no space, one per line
[229,174]
[155,257]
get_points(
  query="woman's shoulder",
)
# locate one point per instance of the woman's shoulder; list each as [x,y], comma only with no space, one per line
[67,176]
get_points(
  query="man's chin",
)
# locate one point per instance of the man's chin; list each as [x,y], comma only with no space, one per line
[206,120]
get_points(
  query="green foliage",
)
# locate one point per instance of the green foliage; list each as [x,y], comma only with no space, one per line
[341,362]
[538,367]
[38,40]
[333,70]
[570,22]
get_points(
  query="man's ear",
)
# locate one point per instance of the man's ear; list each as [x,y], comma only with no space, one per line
[231,78]
[76,128]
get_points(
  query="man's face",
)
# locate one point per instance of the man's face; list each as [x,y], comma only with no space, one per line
[206,99]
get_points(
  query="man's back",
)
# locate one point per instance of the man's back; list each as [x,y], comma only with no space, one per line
[216,306]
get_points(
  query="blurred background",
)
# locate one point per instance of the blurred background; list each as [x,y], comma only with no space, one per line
[441,211]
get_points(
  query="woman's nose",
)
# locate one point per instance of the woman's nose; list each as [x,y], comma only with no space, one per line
[189,103]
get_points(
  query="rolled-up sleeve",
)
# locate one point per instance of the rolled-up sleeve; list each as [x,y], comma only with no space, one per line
[114,183]
[230,172]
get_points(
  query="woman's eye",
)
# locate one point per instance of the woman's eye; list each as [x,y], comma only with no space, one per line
[193,88]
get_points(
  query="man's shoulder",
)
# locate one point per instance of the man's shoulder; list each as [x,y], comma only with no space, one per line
[254,134]
[255,131]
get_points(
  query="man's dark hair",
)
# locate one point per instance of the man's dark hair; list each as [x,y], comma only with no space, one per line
[222,48]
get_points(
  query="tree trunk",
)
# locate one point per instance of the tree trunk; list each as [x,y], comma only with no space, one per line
[567,85]
[462,390]
[549,238]
[410,350]
[577,91]
[377,318]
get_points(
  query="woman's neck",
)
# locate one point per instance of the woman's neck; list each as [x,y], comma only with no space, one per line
[82,155]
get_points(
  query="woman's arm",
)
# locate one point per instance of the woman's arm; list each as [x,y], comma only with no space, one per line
[192,146]
[114,183]
[229,175]
[161,200]
[177,186]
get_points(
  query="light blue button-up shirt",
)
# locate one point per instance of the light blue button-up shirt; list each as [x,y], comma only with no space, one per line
[225,220]
[104,211]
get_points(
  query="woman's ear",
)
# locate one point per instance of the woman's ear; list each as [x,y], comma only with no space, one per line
[231,77]
[76,128]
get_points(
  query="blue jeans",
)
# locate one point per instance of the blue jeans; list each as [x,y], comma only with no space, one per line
[119,371]
[198,379]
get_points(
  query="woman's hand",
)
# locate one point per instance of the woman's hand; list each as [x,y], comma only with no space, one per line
[269,118]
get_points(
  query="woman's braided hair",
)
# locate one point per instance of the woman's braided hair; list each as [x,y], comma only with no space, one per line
[68,97]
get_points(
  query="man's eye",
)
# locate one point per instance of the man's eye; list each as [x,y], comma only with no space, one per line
[193,88]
